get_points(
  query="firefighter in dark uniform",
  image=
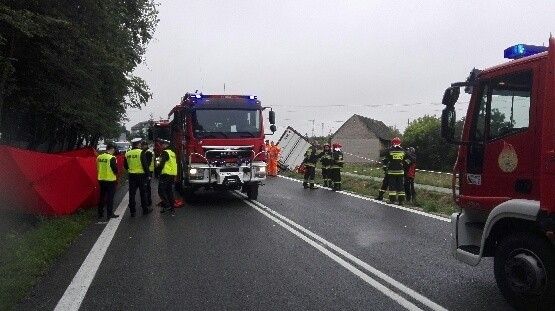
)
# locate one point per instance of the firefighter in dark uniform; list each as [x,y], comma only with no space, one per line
[135,163]
[335,166]
[149,155]
[395,160]
[385,181]
[107,169]
[410,171]
[310,160]
[167,170]
[325,160]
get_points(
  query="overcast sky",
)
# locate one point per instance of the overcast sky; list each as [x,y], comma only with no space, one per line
[327,60]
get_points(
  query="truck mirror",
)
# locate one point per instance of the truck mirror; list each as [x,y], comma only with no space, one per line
[149,133]
[273,127]
[272,117]
[451,96]
[448,120]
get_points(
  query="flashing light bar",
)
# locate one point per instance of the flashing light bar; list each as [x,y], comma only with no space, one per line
[223,96]
[523,50]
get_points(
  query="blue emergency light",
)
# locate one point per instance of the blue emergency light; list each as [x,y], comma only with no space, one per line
[523,50]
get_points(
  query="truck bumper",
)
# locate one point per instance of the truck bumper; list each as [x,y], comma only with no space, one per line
[231,177]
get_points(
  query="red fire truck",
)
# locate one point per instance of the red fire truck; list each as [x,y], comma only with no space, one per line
[219,143]
[505,173]
[159,130]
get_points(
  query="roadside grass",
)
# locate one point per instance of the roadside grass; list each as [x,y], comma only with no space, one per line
[424,178]
[428,201]
[29,253]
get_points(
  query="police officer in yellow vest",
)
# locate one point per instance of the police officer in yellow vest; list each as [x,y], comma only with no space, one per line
[135,163]
[167,170]
[150,160]
[106,165]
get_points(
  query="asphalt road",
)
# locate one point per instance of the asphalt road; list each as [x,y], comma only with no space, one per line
[292,249]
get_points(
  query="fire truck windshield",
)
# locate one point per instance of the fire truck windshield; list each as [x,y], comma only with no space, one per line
[224,123]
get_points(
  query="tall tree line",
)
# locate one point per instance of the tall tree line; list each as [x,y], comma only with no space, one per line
[66,69]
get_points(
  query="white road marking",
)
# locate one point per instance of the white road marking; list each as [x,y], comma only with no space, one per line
[76,291]
[273,215]
[406,209]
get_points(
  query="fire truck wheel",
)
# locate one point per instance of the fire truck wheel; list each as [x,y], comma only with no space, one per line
[524,267]
[252,191]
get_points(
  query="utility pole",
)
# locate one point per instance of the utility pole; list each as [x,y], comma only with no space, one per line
[312,127]
[322,129]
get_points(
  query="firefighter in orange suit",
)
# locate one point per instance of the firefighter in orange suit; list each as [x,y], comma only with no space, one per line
[107,169]
[273,160]
[267,148]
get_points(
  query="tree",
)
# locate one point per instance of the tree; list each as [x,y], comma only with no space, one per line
[433,153]
[66,68]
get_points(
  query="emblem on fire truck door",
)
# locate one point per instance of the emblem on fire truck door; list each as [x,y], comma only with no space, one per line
[508,160]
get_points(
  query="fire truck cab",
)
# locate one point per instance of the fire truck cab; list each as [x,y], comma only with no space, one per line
[219,143]
[505,173]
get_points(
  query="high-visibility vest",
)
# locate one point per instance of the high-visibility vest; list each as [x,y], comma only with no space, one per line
[133,157]
[151,164]
[170,166]
[103,167]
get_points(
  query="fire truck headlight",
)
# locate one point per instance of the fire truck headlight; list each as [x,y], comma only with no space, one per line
[196,173]
[259,171]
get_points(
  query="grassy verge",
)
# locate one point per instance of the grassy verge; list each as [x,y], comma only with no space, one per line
[424,178]
[26,254]
[427,201]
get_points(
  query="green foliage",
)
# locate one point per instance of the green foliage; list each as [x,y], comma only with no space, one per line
[66,68]
[432,152]
[26,255]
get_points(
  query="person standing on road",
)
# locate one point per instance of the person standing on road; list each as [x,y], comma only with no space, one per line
[325,160]
[267,148]
[310,160]
[385,181]
[335,166]
[149,156]
[167,170]
[410,172]
[273,160]
[395,160]
[135,163]
[107,169]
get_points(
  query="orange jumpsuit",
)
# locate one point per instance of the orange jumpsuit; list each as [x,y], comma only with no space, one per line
[273,160]
[267,146]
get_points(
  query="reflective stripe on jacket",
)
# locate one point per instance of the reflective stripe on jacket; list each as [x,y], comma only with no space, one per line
[134,163]
[103,167]
[170,166]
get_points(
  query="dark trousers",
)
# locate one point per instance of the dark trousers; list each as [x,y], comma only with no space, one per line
[385,185]
[165,189]
[396,189]
[326,176]
[309,176]
[148,191]
[107,191]
[137,181]
[335,176]
[409,189]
